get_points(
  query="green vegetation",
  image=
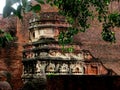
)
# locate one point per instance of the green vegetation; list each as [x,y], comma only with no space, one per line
[77,13]
[4,38]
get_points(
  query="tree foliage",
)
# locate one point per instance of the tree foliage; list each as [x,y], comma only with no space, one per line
[77,13]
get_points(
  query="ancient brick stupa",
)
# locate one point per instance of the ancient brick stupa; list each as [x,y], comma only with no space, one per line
[43,55]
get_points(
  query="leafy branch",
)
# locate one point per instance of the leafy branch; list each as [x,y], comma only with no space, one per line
[77,13]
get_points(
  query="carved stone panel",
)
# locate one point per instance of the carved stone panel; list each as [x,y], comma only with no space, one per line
[77,69]
[40,67]
[64,68]
[50,68]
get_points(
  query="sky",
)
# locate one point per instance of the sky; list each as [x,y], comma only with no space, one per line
[2,4]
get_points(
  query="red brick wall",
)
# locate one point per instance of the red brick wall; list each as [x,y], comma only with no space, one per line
[10,56]
[106,52]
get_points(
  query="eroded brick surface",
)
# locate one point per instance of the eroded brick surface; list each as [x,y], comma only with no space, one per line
[10,57]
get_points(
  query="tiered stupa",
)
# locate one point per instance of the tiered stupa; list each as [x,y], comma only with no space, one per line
[43,55]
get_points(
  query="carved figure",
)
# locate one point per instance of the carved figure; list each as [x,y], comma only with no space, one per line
[50,67]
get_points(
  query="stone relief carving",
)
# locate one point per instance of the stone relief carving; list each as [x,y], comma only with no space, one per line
[43,54]
[64,68]
[57,54]
[68,56]
[50,67]
[40,67]
[78,56]
[77,69]
[29,55]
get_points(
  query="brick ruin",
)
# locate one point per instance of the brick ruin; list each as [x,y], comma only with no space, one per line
[10,59]
[43,54]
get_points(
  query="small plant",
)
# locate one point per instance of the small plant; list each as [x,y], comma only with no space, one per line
[4,38]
